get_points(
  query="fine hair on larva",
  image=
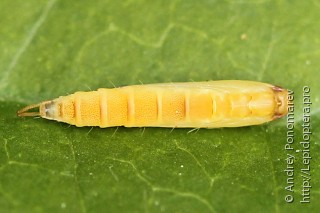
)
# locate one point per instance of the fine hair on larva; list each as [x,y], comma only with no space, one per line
[211,104]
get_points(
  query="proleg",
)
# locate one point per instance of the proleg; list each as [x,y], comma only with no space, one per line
[211,104]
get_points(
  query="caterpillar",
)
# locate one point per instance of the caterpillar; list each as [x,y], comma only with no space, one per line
[212,104]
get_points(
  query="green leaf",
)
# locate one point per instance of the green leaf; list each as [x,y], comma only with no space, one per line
[52,48]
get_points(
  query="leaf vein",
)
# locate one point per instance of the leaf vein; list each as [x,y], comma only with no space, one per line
[211,179]
[26,43]
[81,199]
[157,189]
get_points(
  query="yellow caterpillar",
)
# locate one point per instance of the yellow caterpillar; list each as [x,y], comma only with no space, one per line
[210,104]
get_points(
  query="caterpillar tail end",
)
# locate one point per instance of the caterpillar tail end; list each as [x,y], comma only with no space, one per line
[25,112]
[281,96]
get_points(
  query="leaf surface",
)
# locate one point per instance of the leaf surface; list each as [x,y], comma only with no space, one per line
[58,47]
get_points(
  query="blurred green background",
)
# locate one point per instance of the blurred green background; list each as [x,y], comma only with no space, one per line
[52,48]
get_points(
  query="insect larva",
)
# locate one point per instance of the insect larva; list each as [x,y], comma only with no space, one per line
[187,105]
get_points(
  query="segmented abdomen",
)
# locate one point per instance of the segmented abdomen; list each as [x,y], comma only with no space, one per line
[195,105]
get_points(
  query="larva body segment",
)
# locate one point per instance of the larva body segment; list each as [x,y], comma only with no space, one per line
[187,105]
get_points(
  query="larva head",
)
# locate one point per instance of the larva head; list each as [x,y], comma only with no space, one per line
[281,98]
[60,109]
[46,109]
